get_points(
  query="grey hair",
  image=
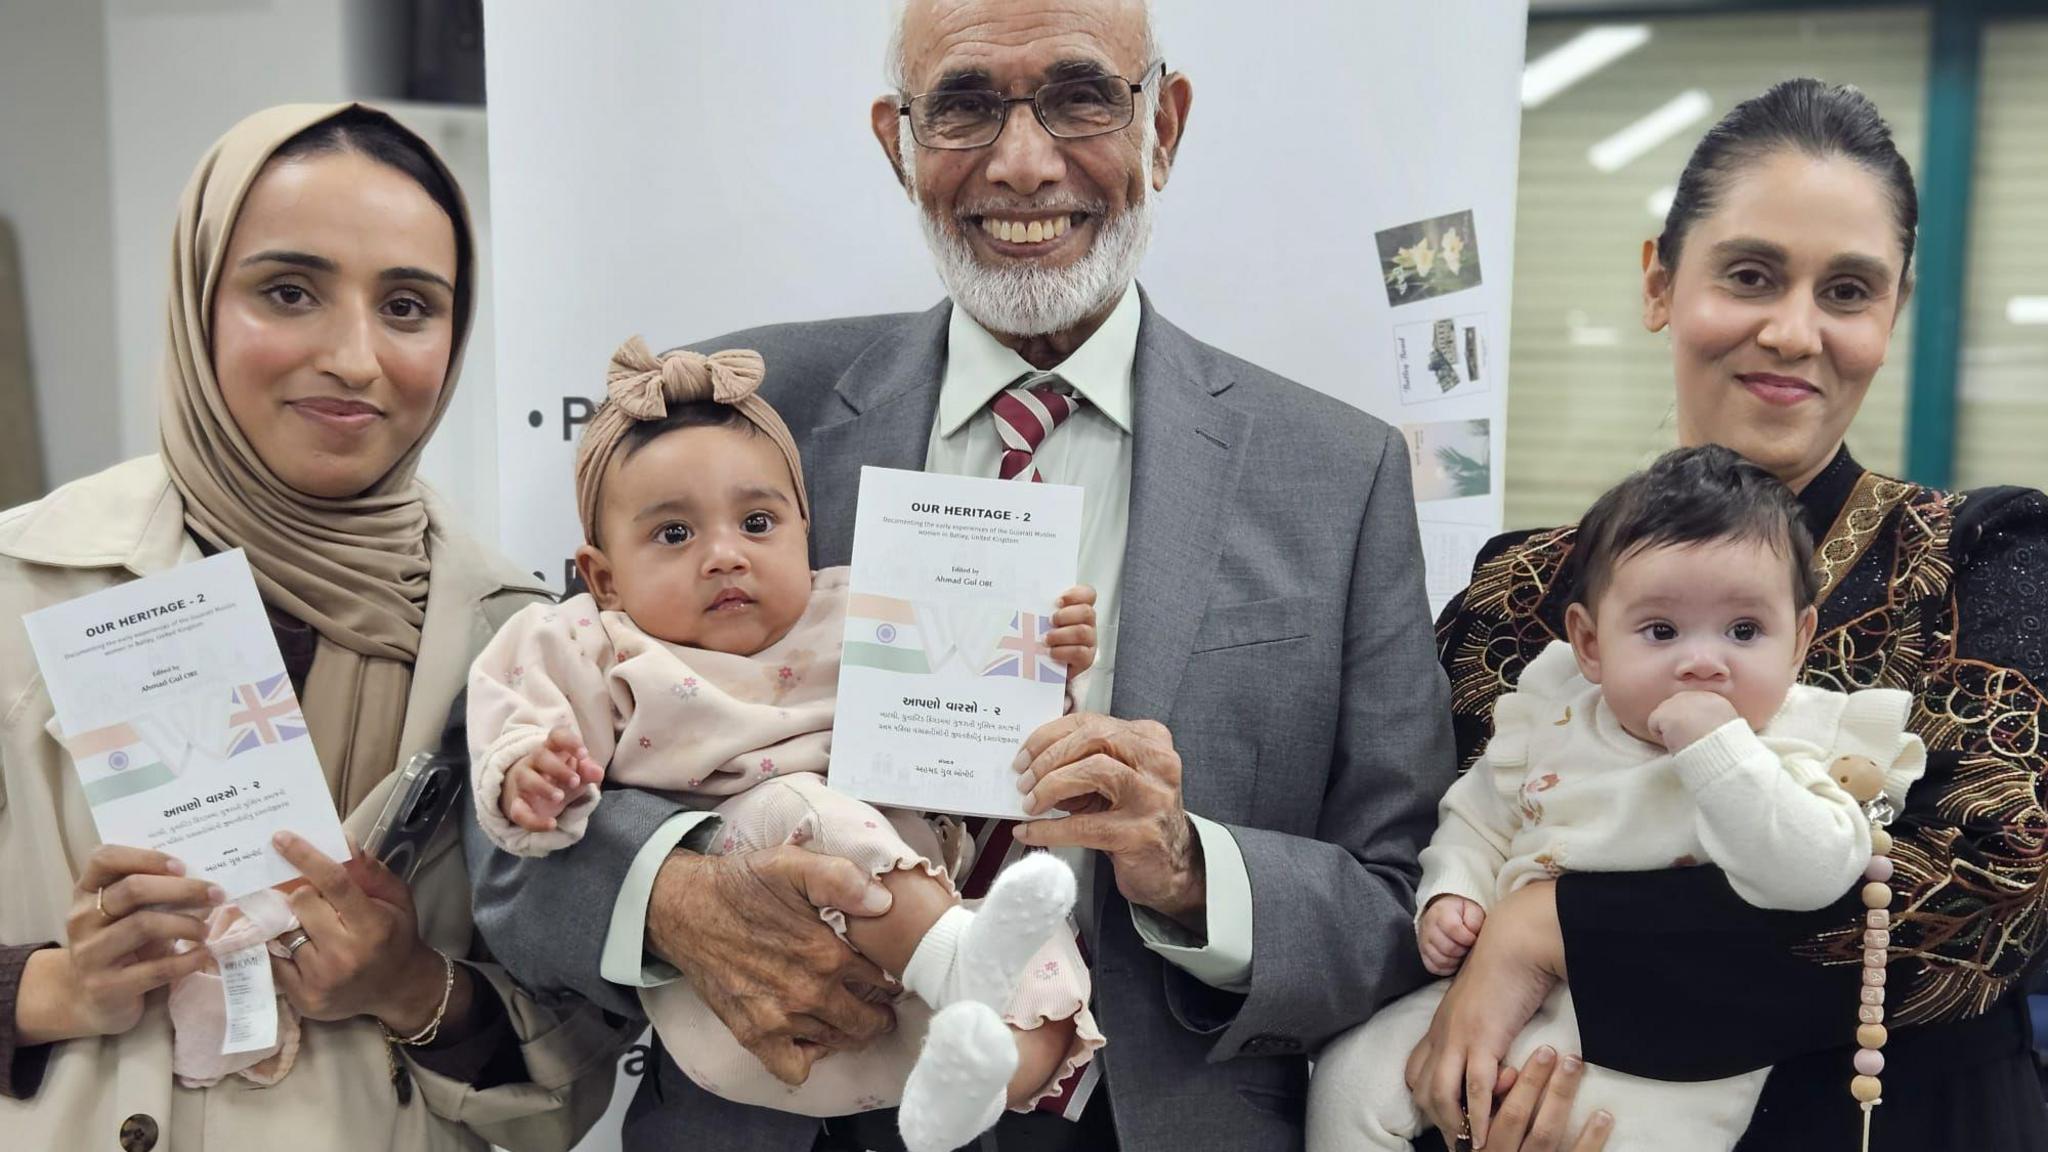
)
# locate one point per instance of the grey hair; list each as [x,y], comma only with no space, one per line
[895,71]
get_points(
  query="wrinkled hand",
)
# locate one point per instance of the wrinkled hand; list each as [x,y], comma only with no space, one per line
[1072,638]
[744,930]
[119,941]
[1119,783]
[1512,967]
[539,786]
[363,955]
[1688,717]
[1448,929]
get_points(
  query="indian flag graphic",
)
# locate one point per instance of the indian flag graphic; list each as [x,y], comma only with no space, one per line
[882,632]
[114,762]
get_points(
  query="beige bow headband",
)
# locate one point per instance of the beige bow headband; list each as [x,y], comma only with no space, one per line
[641,386]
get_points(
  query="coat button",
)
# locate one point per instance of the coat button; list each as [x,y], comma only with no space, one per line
[138,1133]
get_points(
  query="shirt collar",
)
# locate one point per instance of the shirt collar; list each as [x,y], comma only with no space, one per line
[978,366]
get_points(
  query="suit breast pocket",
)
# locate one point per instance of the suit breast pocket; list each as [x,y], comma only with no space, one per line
[1252,622]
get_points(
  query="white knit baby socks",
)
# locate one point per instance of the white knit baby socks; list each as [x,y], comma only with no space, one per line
[967,966]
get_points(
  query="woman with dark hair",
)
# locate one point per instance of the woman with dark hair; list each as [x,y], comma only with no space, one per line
[1781,272]
[322,283]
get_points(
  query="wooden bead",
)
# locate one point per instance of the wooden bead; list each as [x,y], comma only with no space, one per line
[1877,918]
[1870,1013]
[1879,869]
[1869,995]
[1877,938]
[1880,842]
[1865,1088]
[1871,1036]
[1873,977]
[1876,895]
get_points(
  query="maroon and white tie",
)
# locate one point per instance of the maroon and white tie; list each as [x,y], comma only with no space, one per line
[1026,413]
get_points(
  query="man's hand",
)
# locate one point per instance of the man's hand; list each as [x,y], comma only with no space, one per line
[744,930]
[1448,930]
[1119,782]
[1688,717]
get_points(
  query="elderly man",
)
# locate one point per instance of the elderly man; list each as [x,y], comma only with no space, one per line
[1266,733]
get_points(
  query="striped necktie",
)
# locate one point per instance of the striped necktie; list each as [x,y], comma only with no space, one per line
[1026,413]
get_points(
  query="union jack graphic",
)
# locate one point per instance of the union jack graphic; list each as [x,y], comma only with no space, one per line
[266,712]
[1024,652]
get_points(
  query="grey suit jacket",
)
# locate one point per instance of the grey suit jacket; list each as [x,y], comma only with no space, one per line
[1273,619]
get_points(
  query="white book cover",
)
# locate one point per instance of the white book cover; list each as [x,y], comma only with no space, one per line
[174,705]
[945,669]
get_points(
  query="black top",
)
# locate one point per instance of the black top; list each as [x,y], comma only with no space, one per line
[1674,977]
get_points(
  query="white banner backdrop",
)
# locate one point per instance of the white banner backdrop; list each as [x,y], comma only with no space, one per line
[1341,212]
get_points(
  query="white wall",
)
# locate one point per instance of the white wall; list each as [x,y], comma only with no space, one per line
[55,178]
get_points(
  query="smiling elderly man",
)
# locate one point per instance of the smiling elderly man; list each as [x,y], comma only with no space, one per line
[1266,733]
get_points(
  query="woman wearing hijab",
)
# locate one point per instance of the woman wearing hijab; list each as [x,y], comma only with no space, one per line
[321,291]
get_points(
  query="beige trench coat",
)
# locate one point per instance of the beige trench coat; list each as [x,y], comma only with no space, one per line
[129,521]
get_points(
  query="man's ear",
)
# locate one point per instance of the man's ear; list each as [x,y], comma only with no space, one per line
[1176,96]
[885,117]
[1656,289]
[1585,640]
[596,571]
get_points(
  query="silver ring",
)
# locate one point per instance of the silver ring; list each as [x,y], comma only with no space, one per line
[292,946]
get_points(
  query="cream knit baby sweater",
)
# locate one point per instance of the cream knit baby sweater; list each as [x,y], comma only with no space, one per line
[1562,787]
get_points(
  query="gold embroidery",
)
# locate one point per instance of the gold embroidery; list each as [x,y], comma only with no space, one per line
[1855,527]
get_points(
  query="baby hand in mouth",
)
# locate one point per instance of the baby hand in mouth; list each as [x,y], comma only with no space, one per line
[1689,716]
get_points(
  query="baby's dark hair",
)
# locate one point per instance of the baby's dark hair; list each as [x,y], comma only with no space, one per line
[694,414]
[1691,496]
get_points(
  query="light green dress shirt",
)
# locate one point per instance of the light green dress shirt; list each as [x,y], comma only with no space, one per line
[1091,449]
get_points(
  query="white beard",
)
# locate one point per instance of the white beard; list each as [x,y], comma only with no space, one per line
[1022,300]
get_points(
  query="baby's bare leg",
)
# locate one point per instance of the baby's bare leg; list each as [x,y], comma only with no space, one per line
[891,938]
[1039,1052]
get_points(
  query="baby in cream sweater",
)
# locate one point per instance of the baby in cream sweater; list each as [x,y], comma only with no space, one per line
[1668,731]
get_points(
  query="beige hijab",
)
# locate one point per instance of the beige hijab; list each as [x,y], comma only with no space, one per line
[354,569]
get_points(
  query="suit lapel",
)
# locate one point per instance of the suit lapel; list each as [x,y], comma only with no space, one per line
[887,399]
[1187,447]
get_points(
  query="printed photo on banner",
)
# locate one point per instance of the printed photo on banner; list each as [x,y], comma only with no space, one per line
[1429,258]
[1440,359]
[1452,459]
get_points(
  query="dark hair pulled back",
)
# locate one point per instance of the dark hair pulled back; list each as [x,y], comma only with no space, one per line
[1819,119]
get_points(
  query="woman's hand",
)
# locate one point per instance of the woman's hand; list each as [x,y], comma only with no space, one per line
[119,938]
[1514,965]
[363,955]
[1532,1114]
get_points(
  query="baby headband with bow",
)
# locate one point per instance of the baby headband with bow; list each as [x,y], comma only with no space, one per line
[641,387]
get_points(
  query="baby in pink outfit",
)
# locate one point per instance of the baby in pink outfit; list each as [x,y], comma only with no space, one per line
[703,662]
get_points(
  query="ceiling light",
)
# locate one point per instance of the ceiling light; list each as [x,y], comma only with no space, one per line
[2027,310]
[1679,113]
[1578,58]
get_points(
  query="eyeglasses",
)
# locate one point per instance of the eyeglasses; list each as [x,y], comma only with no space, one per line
[1068,109]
